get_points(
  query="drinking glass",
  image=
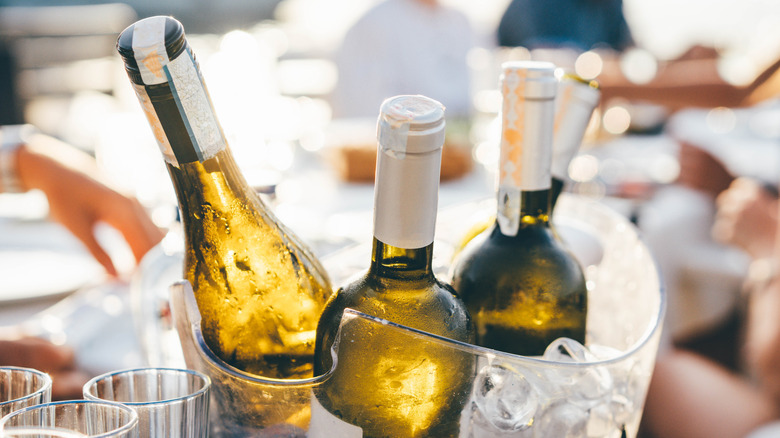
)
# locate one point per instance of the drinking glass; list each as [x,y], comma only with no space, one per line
[33,432]
[22,387]
[87,418]
[170,402]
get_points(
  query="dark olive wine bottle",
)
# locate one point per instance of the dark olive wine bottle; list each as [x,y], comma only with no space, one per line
[521,286]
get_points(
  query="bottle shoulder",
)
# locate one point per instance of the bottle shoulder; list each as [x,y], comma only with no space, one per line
[533,257]
[536,241]
[426,305]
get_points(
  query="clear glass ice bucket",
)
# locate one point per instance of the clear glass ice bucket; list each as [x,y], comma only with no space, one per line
[573,392]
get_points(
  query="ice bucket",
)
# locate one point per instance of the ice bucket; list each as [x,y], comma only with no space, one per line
[574,391]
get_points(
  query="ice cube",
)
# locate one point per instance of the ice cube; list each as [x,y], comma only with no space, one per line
[585,385]
[561,420]
[505,398]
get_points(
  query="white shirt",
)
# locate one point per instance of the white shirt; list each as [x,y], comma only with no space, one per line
[404,47]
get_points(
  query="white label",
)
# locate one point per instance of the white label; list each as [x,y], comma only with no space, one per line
[326,425]
[195,107]
[149,49]
[186,85]
[406,196]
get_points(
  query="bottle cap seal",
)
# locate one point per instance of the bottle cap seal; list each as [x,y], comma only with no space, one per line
[146,45]
[411,124]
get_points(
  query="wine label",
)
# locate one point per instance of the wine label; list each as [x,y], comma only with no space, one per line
[526,135]
[326,425]
[527,117]
[149,49]
[188,91]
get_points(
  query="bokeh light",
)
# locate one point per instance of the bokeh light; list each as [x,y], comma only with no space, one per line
[639,66]
[616,120]
[588,65]
[721,120]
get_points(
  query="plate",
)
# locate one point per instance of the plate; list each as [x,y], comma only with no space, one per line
[42,259]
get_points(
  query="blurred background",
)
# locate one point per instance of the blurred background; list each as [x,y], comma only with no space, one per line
[271,68]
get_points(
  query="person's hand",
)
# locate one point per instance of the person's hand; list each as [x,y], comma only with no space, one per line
[58,361]
[701,171]
[747,217]
[79,200]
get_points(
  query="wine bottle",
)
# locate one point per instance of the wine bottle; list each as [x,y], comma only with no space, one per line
[260,291]
[521,286]
[370,387]
[576,99]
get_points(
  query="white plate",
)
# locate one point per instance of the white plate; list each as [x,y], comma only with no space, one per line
[41,259]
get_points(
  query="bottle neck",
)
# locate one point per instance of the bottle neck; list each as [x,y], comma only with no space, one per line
[392,262]
[217,178]
[524,168]
[555,191]
[531,208]
[406,194]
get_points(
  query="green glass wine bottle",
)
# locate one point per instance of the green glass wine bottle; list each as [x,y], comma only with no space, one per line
[575,102]
[382,384]
[521,286]
[260,291]
[576,99]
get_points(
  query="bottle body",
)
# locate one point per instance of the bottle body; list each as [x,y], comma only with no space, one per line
[260,292]
[385,385]
[522,291]
[382,383]
[522,288]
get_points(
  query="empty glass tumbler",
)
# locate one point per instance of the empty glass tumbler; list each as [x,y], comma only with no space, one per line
[80,417]
[22,387]
[171,403]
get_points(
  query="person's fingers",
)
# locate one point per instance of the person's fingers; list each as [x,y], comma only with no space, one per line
[36,353]
[87,237]
[138,229]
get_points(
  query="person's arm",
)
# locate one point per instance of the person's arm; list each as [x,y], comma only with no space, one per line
[762,334]
[747,217]
[79,199]
[57,360]
[693,397]
[689,83]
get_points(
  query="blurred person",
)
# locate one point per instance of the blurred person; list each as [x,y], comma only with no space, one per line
[692,80]
[404,47]
[78,199]
[691,396]
[575,24]
[56,360]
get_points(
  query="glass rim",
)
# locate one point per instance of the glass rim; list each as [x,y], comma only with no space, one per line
[127,427]
[46,386]
[39,430]
[205,384]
